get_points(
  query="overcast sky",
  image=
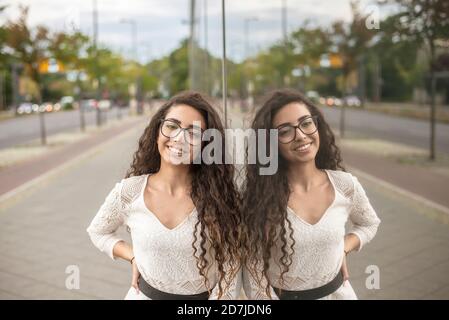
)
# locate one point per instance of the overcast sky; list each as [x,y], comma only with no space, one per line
[162,24]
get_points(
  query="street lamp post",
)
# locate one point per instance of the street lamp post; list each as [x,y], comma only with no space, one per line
[284,20]
[133,25]
[247,22]
[223,62]
[15,86]
[206,62]
[94,40]
[284,36]
[191,48]
[2,90]
[246,75]
[78,96]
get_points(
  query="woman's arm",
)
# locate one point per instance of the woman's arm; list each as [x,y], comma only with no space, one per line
[110,216]
[102,231]
[365,221]
[352,242]
[123,250]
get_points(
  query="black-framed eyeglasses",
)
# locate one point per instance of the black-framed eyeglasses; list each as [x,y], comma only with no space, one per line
[287,132]
[171,129]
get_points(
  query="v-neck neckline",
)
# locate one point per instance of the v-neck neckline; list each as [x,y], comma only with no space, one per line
[325,212]
[151,213]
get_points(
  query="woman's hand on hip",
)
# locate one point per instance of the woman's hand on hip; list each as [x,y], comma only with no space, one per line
[135,276]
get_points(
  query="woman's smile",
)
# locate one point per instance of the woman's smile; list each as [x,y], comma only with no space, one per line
[303,148]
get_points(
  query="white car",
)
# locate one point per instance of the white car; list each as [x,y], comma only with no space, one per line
[104,104]
[313,96]
[67,102]
[89,104]
[25,108]
[46,107]
[352,101]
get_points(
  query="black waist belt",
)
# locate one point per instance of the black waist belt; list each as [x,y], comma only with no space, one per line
[311,294]
[156,294]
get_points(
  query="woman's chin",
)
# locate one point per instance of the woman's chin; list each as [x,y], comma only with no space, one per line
[303,158]
[176,160]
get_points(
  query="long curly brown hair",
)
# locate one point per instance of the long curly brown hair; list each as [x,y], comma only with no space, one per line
[213,192]
[265,197]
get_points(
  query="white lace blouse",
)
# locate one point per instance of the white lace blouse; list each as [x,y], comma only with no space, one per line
[164,257]
[319,248]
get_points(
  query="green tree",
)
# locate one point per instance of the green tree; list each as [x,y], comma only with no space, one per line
[350,42]
[5,73]
[309,44]
[29,46]
[399,63]
[426,21]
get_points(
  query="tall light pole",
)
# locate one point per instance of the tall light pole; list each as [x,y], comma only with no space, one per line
[94,41]
[149,50]
[223,62]
[246,31]
[284,34]
[191,48]
[15,86]
[246,88]
[2,91]
[95,23]
[136,93]
[206,62]
[284,20]
[133,24]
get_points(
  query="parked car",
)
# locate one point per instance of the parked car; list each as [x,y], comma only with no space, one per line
[67,102]
[46,107]
[25,108]
[313,96]
[104,104]
[333,102]
[352,101]
[88,104]
[57,107]
[322,100]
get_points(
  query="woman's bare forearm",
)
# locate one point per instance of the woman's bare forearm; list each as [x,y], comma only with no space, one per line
[352,242]
[123,250]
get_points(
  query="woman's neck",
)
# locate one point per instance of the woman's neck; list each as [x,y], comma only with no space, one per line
[304,176]
[173,179]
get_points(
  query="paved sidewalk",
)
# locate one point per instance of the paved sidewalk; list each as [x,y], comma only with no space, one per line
[46,232]
[419,180]
[410,250]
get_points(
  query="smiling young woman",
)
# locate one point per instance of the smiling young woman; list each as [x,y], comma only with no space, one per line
[183,217]
[294,220]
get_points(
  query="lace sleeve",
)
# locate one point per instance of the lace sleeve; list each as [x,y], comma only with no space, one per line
[253,291]
[110,216]
[362,215]
[233,291]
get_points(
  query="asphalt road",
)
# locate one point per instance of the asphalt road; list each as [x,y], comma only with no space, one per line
[358,122]
[407,131]
[24,129]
